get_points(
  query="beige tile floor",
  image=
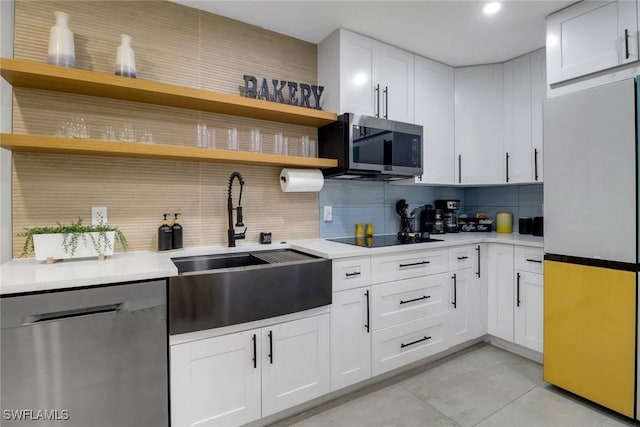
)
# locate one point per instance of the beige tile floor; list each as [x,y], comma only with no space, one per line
[481,386]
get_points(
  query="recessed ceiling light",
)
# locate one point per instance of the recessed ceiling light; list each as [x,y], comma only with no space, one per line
[491,8]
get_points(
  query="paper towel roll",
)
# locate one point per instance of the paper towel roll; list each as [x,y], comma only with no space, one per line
[300,180]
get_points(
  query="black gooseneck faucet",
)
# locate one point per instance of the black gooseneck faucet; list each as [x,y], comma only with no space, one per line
[231,233]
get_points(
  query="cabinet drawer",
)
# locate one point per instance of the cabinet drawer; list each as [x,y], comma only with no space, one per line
[399,345]
[528,259]
[386,268]
[461,257]
[350,273]
[393,303]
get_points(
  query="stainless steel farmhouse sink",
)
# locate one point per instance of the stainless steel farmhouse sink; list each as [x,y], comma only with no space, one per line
[215,262]
[220,290]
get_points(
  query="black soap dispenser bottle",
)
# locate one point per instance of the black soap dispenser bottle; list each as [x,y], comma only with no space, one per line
[164,235]
[176,233]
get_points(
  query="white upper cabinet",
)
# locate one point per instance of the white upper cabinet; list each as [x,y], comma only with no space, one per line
[434,111]
[364,76]
[524,93]
[538,95]
[396,84]
[591,36]
[479,125]
[517,123]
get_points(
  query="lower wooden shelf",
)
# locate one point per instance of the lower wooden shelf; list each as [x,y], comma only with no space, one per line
[93,147]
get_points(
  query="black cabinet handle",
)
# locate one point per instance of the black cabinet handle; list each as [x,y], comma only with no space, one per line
[386,102]
[271,347]
[455,290]
[534,260]
[626,43]
[459,168]
[478,272]
[535,163]
[414,263]
[415,299]
[463,257]
[507,163]
[255,354]
[518,290]
[357,273]
[366,294]
[414,342]
[377,91]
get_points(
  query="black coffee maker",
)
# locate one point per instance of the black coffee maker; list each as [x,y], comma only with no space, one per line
[431,220]
[450,217]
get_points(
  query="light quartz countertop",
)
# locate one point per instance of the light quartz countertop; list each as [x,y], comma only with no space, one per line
[28,275]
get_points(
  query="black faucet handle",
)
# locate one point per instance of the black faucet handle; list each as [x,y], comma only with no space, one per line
[241,235]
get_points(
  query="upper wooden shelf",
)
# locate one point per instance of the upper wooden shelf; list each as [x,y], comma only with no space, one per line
[71,80]
[58,145]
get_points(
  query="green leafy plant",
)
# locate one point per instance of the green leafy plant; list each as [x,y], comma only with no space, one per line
[72,234]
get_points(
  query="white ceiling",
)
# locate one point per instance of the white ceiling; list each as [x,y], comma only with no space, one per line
[455,32]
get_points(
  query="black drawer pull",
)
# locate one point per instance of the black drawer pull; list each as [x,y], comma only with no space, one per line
[415,299]
[357,273]
[460,258]
[534,260]
[414,342]
[271,347]
[366,294]
[255,354]
[415,263]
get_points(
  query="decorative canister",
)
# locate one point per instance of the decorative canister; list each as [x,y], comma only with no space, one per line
[504,222]
[125,60]
[525,224]
[61,46]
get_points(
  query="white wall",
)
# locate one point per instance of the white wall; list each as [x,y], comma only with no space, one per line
[6,51]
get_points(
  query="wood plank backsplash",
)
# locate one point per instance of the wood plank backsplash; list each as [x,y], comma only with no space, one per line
[173,44]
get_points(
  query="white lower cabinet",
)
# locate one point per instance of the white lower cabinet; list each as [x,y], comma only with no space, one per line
[529,310]
[214,382]
[463,304]
[407,342]
[350,337]
[516,295]
[529,303]
[394,303]
[501,291]
[468,298]
[237,378]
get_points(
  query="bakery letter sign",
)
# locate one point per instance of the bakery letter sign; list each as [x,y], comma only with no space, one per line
[300,94]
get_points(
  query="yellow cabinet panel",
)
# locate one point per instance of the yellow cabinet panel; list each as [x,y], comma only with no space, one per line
[589,333]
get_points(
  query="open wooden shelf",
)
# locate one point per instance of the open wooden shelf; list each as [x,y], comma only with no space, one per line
[70,80]
[94,147]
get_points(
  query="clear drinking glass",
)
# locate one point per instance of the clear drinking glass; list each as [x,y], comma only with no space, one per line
[201,140]
[147,137]
[279,144]
[313,148]
[110,133]
[304,146]
[256,141]
[211,138]
[233,139]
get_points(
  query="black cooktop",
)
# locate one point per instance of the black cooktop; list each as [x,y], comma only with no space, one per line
[380,241]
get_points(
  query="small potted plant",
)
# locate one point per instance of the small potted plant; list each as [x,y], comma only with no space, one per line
[75,240]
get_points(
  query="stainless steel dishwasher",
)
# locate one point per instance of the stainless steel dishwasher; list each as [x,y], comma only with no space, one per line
[93,357]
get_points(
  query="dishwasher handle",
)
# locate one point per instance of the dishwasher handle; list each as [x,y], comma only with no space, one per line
[68,314]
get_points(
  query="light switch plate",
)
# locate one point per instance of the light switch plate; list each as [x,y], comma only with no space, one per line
[99,215]
[328,214]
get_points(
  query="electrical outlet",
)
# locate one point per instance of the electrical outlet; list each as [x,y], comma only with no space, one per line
[99,215]
[328,213]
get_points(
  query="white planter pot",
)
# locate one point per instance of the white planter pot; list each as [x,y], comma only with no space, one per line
[51,245]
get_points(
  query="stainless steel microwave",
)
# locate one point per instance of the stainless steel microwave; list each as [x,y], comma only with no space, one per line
[370,147]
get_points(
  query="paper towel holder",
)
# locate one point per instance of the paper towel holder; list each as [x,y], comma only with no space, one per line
[301,180]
